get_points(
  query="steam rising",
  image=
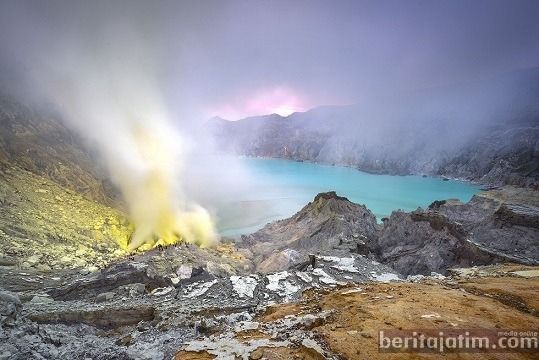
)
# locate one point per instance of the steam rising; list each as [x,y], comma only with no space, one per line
[107,88]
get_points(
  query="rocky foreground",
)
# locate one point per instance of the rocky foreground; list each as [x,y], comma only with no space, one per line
[343,322]
[332,311]
[318,285]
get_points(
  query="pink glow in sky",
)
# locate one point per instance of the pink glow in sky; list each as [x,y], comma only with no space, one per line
[278,100]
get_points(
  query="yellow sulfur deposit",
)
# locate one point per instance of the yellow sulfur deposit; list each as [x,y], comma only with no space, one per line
[55,227]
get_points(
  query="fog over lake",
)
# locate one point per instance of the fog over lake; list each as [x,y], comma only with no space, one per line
[275,189]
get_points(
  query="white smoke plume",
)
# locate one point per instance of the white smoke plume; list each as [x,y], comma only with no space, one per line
[107,87]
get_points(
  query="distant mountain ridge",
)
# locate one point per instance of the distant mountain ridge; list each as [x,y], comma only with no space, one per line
[484,131]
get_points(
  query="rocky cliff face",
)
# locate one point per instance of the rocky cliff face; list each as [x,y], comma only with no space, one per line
[486,132]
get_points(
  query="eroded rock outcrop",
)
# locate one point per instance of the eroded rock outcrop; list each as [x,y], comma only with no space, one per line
[424,242]
[494,226]
[328,224]
[127,320]
[98,317]
[490,228]
[503,220]
[110,279]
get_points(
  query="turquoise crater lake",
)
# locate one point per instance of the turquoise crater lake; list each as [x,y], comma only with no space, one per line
[279,188]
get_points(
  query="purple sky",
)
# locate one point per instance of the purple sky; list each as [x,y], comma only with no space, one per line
[240,58]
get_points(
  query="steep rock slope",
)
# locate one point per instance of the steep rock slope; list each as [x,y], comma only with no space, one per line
[48,227]
[57,208]
[35,140]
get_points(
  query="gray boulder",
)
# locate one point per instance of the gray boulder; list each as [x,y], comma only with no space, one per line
[10,307]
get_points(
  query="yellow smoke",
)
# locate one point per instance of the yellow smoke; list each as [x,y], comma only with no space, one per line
[158,214]
[143,152]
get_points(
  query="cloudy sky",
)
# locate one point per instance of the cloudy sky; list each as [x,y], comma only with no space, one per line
[241,58]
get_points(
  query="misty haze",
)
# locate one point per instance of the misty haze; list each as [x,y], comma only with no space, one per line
[268,179]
